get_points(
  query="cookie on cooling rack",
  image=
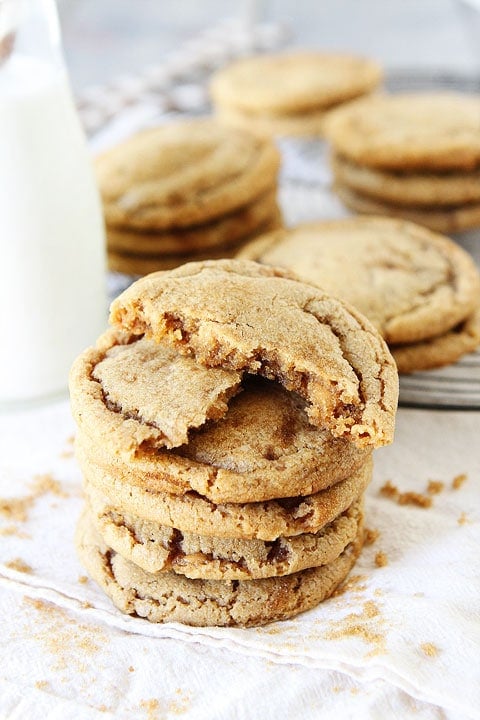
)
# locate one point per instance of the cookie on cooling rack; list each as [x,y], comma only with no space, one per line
[290,93]
[410,155]
[420,289]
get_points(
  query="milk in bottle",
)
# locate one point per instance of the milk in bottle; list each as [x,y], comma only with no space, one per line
[52,268]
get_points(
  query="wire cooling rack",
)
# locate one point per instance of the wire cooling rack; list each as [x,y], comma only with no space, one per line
[179,87]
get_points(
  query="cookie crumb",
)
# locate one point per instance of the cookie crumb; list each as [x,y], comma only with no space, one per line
[41,684]
[354,584]
[381,559]
[131,669]
[458,481]
[429,649]
[151,707]
[15,508]
[46,483]
[414,498]
[391,492]
[463,519]
[82,579]
[435,487]
[19,565]
[370,536]
[360,625]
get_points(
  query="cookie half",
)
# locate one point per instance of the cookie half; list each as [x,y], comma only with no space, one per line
[245,316]
[410,282]
[168,597]
[128,393]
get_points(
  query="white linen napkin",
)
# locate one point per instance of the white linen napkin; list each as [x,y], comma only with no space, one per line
[410,619]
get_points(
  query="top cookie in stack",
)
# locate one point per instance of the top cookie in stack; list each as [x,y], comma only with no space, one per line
[289,94]
[415,156]
[189,190]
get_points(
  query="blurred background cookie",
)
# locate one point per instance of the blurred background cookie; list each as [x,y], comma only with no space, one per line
[420,289]
[187,190]
[410,155]
[290,93]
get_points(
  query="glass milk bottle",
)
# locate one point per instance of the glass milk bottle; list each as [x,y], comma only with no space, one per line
[52,248]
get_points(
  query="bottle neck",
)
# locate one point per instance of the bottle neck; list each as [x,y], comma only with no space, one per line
[30,28]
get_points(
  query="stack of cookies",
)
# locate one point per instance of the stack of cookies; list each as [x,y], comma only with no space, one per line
[420,289]
[226,424]
[290,94]
[415,156]
[184,191]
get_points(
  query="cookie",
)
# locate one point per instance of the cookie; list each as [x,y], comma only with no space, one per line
[241,315]
[193,513]
[158,548]
[184,174]
[170,597]
[436,131]
[144,264]
[293,82]
[410,282]
[263,448]
[304,124]
[128,391]
[410,189]
[446,219]
[224,232]
[439,351]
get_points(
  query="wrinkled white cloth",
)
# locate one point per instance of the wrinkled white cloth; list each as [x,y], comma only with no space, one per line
[405,635]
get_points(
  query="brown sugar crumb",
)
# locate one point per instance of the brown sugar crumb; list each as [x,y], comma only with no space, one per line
[41,684]
[414,498]
[16,508]
[370,536]
[368,625]
[9,530]
[458,481]
[46,483]
[389,490]
[19,565]
[354,584]
[463,519]
[151,707]
[68,451]
[69,643]
[82,579]
[131,669]
[429,649]
[435,487]
[381,559]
